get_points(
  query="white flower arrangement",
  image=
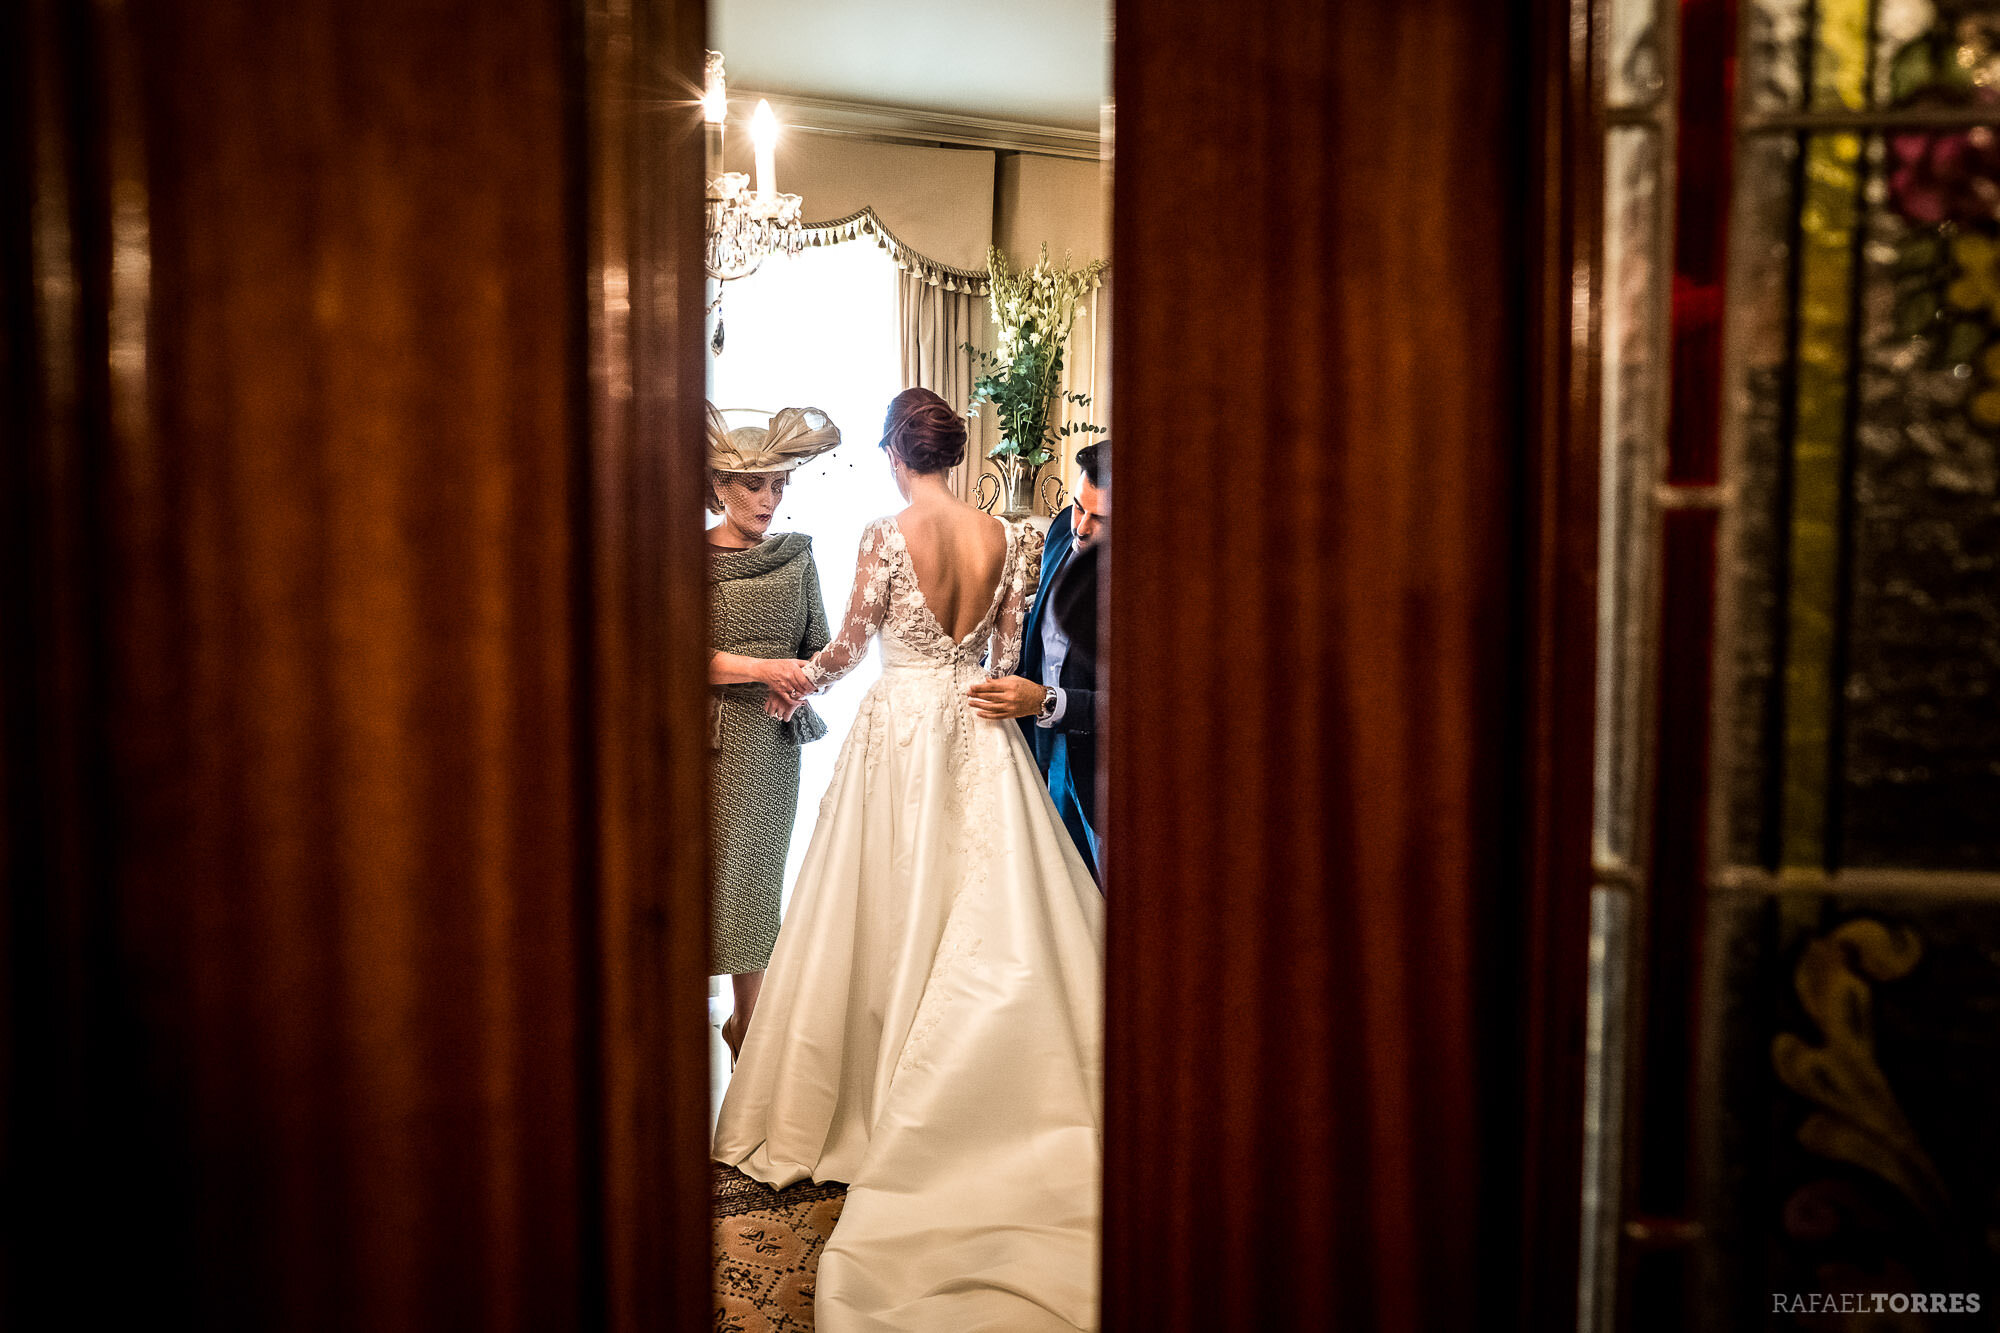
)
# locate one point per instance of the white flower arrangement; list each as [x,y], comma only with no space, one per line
[1036,311]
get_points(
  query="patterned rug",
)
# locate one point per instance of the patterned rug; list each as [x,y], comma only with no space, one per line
[767,1245]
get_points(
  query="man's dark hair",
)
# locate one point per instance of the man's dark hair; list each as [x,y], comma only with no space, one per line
[1095,460]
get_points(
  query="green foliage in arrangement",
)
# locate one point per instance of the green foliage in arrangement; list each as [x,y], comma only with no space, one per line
[1035,309]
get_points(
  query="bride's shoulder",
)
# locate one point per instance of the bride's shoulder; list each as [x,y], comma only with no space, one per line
[882,534]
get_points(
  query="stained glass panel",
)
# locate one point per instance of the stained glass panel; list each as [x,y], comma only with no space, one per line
[1635,71]
[1821,398]
[1799,55]
[1902,995]
[1920,762]
[1633,367]
[1759,405]
[1937,54]
[1864,719]
[1773,62]
[1838,51]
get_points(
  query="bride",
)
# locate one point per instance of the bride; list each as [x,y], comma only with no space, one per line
[929,1029]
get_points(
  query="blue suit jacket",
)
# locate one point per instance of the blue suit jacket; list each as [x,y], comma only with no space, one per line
[1067,752]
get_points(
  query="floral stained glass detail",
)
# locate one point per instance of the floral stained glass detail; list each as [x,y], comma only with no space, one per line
[1837,55]
[1945,189]
[1937,53]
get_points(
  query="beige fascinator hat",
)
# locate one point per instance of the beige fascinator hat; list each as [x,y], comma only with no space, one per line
[793,436]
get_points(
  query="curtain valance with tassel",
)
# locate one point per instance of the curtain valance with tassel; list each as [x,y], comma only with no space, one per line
[866,224]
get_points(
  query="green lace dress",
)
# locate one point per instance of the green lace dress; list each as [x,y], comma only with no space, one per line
[764,602]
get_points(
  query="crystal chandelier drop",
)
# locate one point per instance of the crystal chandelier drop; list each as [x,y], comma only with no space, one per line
[747,220]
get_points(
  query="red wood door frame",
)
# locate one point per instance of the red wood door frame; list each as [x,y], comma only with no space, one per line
[1352,614]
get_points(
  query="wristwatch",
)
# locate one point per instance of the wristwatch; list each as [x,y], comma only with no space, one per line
[1048,709]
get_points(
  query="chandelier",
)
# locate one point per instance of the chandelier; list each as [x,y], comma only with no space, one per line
[747,220]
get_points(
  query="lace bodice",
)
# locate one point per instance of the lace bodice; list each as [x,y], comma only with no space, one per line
[887,599]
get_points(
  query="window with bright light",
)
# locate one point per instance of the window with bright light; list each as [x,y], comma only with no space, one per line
[820,330]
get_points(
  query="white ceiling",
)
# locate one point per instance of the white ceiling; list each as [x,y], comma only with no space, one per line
[1045,61]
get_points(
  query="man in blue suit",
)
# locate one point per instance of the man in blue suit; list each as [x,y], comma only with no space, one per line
[1055,695]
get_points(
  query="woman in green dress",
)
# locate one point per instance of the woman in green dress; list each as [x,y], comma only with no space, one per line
[765,616]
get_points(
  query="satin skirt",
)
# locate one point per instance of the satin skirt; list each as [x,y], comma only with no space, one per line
[930,1030]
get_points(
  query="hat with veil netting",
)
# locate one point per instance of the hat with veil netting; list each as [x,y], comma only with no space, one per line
[787,438]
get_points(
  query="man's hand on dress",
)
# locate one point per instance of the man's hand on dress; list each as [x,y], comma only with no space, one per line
[1009,696]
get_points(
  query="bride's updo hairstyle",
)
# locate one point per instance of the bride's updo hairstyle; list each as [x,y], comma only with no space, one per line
[924,432]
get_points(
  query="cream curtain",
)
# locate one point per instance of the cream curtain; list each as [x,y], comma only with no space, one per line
[1086,370]
[1065,205]
[937,324]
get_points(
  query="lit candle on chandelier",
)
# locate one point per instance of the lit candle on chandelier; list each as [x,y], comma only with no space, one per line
[714,108]
[764,134]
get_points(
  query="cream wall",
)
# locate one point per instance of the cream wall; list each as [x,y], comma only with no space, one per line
[1055,199]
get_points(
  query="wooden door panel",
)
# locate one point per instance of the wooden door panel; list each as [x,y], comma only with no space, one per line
[1328,646]
[347,671]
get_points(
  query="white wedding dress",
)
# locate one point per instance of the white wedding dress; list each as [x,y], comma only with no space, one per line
[929,1030]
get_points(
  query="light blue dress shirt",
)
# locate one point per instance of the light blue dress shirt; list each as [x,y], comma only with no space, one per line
[1055,649]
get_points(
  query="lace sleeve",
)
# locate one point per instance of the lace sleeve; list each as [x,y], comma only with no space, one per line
[1024,577]
[866,607]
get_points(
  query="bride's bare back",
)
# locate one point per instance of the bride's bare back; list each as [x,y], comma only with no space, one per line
[957,553]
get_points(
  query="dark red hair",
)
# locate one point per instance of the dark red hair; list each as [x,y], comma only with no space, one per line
[924,432]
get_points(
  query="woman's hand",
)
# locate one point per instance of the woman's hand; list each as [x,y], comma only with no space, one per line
[780,707]
[786,676]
